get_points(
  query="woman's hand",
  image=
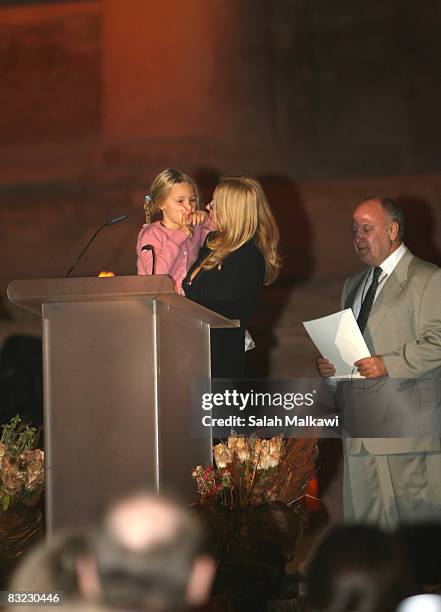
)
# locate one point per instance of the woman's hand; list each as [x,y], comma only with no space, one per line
[209,207]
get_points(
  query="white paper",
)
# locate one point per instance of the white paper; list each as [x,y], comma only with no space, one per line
[339,339]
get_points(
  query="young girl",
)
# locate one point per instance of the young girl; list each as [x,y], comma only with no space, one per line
[175,228]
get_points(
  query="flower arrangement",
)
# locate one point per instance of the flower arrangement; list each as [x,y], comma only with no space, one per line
[249,472]
[21,465]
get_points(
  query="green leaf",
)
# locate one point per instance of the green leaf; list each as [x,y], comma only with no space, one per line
[18,437]
[5,501]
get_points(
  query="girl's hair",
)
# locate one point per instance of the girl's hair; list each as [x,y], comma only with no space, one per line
[242,213]
[160,189]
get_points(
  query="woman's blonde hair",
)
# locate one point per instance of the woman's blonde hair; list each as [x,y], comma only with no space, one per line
[241,212]
[160,189]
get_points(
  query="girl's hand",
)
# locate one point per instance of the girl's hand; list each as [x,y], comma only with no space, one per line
[197,217]
[185,225]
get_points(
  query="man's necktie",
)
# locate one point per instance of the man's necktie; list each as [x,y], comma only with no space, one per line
[368,301]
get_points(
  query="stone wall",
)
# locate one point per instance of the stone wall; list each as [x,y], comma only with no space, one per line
[324,105]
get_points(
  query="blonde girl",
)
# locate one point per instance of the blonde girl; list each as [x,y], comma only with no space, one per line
[175,227]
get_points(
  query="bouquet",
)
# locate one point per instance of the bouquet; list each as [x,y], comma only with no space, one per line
[249,472]
[21,465]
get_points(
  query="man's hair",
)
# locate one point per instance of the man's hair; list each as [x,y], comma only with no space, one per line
[392,210]
[151,576]
[51,565]
[357,567]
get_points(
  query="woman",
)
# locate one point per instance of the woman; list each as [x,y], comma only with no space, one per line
[234,263]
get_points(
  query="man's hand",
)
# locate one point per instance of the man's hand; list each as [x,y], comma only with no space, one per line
[371,367]
[324,367]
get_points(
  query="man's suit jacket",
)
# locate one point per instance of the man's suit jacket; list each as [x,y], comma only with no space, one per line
[404,327]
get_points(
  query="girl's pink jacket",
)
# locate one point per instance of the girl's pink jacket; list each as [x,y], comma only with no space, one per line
[175,251]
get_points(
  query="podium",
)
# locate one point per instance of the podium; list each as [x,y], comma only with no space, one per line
[119,357]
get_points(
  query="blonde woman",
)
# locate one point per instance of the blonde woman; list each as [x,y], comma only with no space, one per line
[175,228]
[236,260]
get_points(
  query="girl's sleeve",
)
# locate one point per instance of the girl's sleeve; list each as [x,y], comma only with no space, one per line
[206,228]
[167,249]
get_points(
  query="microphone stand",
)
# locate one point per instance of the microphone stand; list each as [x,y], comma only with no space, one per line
[73,266]
[151,248]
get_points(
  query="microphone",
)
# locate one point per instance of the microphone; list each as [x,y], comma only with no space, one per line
[150,247]
[111,222]
[116,220]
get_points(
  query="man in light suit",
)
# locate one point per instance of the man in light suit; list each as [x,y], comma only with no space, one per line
[397,302]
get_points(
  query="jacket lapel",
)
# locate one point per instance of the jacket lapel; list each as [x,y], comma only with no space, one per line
[392,288]
[352,286]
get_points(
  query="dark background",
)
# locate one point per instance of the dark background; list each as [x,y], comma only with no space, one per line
[325,102]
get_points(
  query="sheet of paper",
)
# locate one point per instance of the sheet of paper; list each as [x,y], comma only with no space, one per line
[339,339]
